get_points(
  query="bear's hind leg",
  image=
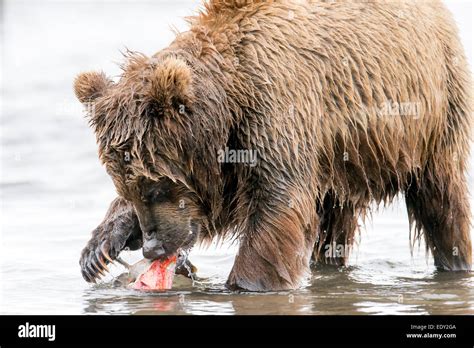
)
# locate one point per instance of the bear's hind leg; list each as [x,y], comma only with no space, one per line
[337,228]
[438,206]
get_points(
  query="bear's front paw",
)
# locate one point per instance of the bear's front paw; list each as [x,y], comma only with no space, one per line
[107,241]
[99,251]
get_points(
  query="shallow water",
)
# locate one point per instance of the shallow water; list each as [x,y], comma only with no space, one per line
[54,191]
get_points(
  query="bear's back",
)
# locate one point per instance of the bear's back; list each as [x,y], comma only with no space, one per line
[367,82]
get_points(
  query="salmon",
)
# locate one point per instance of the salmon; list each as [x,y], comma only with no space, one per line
[158,276]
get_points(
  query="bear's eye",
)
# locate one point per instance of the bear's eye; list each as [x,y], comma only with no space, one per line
[156,111]
[144,199]
[159,195]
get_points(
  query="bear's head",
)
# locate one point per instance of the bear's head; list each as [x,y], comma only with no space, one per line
[159,145]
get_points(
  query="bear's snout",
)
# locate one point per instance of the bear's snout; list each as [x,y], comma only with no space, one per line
[153,249]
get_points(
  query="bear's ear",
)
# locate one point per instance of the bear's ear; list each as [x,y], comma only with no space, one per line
[90,85]
[172,83]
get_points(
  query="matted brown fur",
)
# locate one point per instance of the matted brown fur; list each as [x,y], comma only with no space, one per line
[312,87]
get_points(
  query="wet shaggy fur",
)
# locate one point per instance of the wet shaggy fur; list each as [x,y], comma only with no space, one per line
[346,103]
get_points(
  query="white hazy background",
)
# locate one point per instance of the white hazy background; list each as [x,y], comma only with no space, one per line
[54,191]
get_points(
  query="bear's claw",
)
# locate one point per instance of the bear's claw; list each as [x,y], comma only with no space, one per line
[101,260]
[119,230]
[94,260]
[105,253]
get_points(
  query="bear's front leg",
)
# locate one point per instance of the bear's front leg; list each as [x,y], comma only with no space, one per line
[274,254]
[120,229]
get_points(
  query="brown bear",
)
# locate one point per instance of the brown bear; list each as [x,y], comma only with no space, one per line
[340,104]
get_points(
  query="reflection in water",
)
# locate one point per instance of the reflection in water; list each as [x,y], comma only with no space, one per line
[348,290]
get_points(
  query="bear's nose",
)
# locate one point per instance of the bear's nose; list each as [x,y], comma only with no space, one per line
[153,249]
